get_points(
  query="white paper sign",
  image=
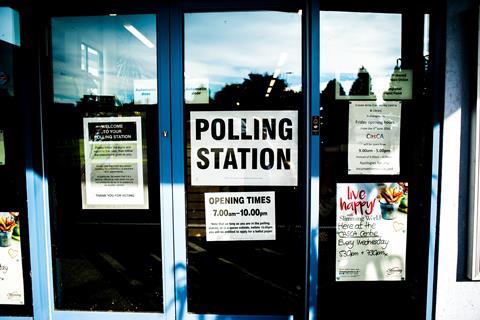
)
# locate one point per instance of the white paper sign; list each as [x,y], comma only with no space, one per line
[236,216]
[371,231]
[2,149]
[374,138]
[114,170]
[250,148]
[400,85]
[196,91]
[145,91]
[11,270]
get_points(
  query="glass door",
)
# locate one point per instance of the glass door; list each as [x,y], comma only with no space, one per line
[239,209]
[108,166]
[376,123]
[180,157]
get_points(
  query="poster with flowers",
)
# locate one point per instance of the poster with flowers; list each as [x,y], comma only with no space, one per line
[11,272]
[371,229]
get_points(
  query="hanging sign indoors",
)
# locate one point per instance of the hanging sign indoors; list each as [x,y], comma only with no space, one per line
[2,148]
[374,138]
[235,216]
[400,87]
[11,271]
[114,169]
[250,148]
[371,231]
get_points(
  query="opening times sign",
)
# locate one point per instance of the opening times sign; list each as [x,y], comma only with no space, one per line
[236,216]
[244,148]
[114,169]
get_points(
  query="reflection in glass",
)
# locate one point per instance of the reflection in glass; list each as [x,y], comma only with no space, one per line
[243,61]
[366,56]
[360,54]
[105,258]
[216,59]
[104,55]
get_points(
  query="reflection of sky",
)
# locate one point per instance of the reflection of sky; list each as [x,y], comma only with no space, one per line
[226,46]
[372,40]
[124,58]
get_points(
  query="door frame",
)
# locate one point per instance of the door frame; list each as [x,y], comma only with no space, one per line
[37,172]
[310,106]
[172,191]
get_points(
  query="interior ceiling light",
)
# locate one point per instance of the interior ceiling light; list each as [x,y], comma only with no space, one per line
[276,73]
[282,59]
[137,34]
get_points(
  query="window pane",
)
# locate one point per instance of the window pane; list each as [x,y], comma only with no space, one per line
[104,55]
[374,105]
[15,284]
[243,70]
[102,132]
[372,49]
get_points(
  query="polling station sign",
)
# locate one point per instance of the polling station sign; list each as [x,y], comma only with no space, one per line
[244,148]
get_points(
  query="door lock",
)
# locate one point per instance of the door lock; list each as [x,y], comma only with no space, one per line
[165,133]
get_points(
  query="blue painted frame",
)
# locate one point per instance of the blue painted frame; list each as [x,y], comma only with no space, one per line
[172,191]
[179,199]
[38,206]
[312,30]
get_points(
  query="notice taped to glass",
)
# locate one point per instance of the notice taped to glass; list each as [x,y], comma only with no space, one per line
[371,231]
[244,148]
[237,216]
[11,270]
[374,138]
[113,159]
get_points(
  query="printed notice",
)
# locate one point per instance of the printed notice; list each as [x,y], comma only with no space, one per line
[239,216]
[11,271]
[244,148]
[114,169]
[196,91]
[145,91]
[374,138]
[400,85]
[2,149]
[371,231]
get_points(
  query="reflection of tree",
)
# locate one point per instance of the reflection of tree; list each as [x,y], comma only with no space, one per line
[328,94]
[334,118]
[362,85]
[251,93]
[329,111]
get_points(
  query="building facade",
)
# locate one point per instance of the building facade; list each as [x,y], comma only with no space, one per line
[239,160]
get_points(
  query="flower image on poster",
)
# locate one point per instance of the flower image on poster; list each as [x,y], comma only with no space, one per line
[11,270]
[371,231]
[115,172]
